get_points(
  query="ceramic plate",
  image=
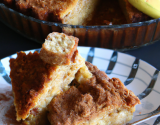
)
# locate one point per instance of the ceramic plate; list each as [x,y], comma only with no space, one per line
[138,76]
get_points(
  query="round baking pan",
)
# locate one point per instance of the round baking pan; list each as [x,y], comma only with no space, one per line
[120,37]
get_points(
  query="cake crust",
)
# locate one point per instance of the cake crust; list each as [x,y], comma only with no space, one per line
[29,75]
[73,12]
[114,85]
[90,100]
[57,9]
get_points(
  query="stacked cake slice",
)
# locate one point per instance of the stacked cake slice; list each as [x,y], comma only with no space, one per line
[59,84]
[35,81]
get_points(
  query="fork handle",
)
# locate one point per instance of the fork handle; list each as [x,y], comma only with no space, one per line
[144,119]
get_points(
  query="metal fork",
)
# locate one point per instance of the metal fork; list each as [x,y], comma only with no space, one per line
[146,116]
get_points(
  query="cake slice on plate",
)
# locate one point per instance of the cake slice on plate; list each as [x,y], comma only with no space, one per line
[96,101]
[57,80]
[37,78]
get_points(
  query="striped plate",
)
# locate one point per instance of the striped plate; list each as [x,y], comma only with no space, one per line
[138,76]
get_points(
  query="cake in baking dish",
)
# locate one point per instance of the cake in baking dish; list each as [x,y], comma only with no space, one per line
[96,101]
[35,81]
[80,12]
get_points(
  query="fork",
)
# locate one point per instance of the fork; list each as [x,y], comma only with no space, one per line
[146,116]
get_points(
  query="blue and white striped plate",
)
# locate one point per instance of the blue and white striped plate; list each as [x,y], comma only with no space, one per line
[138,76]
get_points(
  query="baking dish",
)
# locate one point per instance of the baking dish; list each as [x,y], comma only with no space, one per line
[121,37]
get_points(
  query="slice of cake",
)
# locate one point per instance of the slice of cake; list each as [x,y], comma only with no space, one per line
[59,48]
[74,12]
[132,14]
[97,101]
[36,78]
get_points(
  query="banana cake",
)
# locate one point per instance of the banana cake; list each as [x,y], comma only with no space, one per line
[74,12]
[97,101]
[58,86]
[80,12]
[35,82]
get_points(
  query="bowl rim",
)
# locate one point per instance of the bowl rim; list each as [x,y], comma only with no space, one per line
[144,23]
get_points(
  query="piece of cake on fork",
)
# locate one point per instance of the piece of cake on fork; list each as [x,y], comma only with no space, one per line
[37,78]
